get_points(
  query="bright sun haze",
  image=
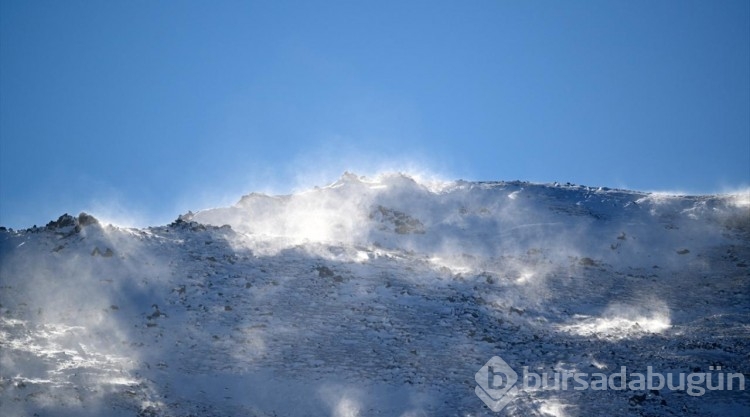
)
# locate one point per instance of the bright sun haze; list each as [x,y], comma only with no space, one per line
[142,110]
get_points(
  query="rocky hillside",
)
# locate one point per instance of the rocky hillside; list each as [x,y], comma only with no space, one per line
[380,296]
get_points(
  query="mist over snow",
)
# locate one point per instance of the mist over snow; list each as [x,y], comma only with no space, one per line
[379,295]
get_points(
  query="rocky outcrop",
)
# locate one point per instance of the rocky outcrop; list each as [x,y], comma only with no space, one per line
[401,222]
[62,222]
[69,225]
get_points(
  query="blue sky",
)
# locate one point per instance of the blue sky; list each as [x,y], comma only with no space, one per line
[141,110]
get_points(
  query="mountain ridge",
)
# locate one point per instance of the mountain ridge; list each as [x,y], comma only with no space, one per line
[377,297]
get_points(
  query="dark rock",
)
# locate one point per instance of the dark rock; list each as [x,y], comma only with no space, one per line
[324,272]
[85,219]
[587,262]
[402,222]
[516,310]
[66,220]
[107,253]
[183,220]
[637,399]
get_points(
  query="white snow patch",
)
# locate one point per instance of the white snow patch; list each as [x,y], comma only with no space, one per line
[622,322]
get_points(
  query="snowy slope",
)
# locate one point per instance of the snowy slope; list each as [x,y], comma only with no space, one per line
[380,296]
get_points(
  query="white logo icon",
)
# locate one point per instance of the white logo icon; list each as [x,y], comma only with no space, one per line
[496,380]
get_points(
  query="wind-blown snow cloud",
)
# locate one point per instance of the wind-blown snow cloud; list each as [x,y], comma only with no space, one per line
[72,300]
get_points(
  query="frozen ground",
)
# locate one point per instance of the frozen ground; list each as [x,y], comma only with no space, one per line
[377,297]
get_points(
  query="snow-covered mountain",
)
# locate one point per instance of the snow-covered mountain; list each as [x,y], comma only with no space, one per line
[380,296]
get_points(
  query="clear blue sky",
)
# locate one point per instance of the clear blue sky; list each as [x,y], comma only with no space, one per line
[145,109]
